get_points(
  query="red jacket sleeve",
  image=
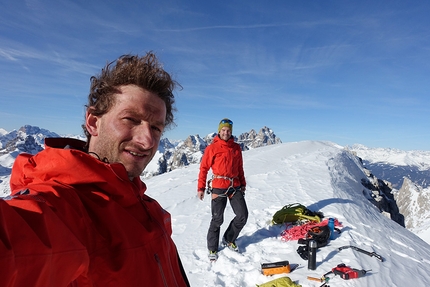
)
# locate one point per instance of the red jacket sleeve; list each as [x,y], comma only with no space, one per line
[30,231]
[205,165]
[240,169]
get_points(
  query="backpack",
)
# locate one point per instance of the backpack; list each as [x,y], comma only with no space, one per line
[320,234]
[295,212]
[280,282]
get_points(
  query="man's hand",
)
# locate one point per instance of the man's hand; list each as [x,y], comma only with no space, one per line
[200,195]
[242,189]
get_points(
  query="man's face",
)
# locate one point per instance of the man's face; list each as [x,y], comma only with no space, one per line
[225,133]
[129,133]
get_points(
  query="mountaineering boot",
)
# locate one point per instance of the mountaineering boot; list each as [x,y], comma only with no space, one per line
[213,255]
[231,245]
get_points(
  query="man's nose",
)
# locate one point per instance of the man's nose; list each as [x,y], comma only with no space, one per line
[144,136]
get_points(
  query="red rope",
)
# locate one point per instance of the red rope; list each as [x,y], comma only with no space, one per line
[296,232]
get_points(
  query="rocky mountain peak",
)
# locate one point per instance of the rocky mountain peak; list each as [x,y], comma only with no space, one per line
[414,203]
[252,139]
[29,139]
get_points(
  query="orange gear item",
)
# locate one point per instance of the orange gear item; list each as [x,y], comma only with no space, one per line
[275,268]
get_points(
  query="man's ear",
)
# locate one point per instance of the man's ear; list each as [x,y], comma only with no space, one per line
[91,123]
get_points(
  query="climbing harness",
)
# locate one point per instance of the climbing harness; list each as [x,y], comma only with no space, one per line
[228,193]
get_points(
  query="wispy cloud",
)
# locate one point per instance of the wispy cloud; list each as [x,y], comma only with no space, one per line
[22,54]
[303,24]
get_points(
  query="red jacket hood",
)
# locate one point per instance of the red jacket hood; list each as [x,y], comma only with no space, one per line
[64,162]
[217,139]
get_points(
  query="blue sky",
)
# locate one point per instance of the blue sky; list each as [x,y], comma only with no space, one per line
[343,71]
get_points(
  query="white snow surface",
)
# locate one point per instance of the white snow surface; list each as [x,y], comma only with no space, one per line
[321,175]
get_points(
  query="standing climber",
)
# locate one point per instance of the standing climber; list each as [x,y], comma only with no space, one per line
[224,156]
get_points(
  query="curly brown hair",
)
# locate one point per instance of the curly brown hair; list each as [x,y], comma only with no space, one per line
[145,72]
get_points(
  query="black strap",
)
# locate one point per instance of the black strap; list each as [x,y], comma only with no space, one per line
[303,251]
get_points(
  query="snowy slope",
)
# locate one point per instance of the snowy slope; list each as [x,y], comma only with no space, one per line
[321,175]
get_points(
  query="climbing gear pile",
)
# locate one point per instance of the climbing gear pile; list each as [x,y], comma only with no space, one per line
[301,227]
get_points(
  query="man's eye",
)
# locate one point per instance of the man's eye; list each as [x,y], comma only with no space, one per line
[133,120]
[157,129]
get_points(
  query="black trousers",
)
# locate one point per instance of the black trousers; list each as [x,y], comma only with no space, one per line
[238,204]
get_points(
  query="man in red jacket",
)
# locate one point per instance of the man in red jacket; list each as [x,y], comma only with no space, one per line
[224,156]
[78,215]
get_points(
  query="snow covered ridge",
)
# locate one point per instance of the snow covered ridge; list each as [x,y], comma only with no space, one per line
[321,175]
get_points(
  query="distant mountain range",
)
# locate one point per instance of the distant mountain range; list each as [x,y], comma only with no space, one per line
[171,156]
[397,182]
